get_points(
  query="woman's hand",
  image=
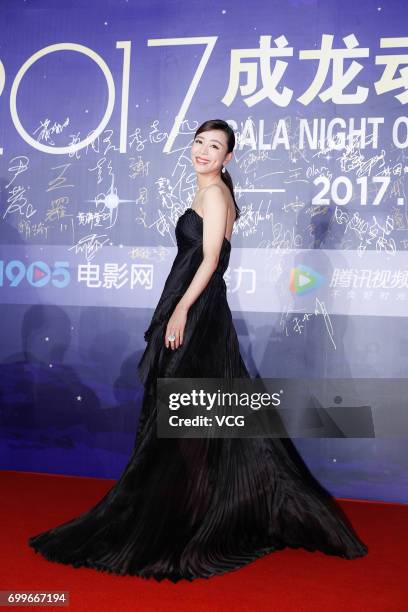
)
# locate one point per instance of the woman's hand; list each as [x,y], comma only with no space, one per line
[175,327]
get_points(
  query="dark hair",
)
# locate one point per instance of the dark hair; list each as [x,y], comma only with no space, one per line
[220,124]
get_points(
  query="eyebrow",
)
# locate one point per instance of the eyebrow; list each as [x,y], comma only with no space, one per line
[212,140]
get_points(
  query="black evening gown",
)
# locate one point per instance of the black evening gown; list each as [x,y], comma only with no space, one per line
[197,507]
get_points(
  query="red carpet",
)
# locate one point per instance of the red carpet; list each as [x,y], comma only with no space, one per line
[283,581]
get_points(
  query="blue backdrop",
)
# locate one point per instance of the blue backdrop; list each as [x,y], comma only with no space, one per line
[99,102]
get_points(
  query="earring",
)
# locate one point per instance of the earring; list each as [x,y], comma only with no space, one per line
[223,169]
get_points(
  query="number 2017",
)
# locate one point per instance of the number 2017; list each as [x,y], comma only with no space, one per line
[333,189]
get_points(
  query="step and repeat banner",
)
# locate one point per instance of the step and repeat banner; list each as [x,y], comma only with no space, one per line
[99,102]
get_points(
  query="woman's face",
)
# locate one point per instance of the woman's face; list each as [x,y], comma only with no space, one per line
[209,152]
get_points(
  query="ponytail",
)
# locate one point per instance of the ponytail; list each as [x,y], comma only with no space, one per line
[226,177]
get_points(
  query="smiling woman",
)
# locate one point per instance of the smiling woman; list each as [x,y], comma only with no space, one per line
[186,508]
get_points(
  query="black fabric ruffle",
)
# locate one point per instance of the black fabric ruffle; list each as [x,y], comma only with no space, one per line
[199,507]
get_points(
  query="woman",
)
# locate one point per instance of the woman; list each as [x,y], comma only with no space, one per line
[196,507]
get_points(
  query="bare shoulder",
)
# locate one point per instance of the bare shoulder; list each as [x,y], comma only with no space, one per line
[215,197]
[213,192]
[214,202]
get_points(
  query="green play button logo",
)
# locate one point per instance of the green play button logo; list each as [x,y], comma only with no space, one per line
[304,279]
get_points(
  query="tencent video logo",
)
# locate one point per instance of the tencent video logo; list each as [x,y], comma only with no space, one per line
[304,279]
